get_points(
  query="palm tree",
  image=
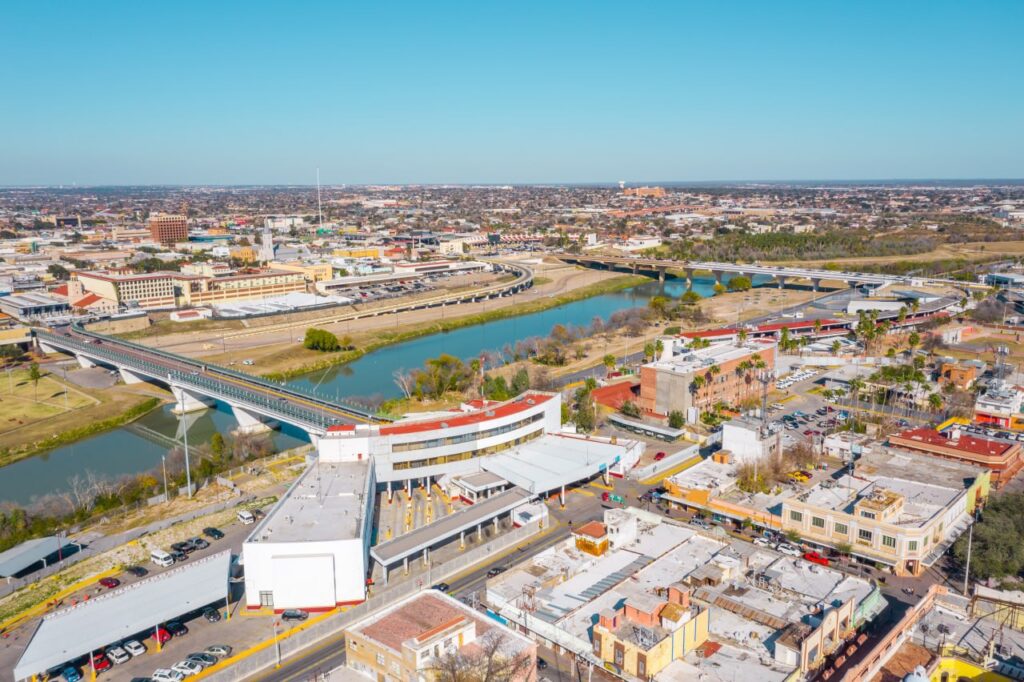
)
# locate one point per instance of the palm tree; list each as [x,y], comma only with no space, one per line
[34,376]
[856,386]
[741,335]
[935,401]
[609,362]
[836,347]
[659,347]
[696,385]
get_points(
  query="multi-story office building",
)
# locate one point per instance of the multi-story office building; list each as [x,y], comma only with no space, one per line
[899,509]
[166,289]
[694,381]
[168,229]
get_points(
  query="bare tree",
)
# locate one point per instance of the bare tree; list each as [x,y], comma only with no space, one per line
[404,381]
[496,658]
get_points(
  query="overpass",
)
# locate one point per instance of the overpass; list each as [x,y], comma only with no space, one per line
[780,274]
[256,402]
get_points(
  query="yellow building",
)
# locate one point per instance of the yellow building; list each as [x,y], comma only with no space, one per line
[358,252]
[246,254]
[592,538]
[951,669]
[313,272]
[643,637]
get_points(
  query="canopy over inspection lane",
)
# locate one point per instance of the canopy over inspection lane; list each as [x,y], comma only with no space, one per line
[76,631]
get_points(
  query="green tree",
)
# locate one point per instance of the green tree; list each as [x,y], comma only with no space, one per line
[719,288]
[58,271]
[691,297]
[585,415]
[740,283]
[630,409]
[935,401]
[609,362]
[676,420]
[648,351]
[217,446]
[34,376]
[520,381]
[913,340]
[321,340]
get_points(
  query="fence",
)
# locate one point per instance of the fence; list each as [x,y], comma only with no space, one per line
[334,624]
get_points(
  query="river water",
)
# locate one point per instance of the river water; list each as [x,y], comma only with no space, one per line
[138,447]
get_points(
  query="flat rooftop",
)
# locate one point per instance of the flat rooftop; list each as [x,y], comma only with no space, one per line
[327,502]
[554,460]
[716,354]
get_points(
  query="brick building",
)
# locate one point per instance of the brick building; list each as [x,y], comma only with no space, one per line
[168,229]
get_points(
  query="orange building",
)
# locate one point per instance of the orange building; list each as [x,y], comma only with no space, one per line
[168,229]
[694,381]
[961,375]
[592,538]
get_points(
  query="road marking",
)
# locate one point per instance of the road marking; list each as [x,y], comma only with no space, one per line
[657,478]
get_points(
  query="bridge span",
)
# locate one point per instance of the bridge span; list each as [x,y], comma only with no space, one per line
[257,403]
[779,273]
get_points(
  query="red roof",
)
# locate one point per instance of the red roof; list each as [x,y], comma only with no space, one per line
[62,290]
[614,395]
[594,529]
[969,445]
[520,404]
[85,301]
[342,427]
[774,327]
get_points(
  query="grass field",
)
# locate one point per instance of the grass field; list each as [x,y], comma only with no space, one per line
[22,402]
[967,250]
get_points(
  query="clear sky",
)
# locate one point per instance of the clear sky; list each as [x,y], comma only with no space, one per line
[180,92]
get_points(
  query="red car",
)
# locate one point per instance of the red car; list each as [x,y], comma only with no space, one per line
[660,456]
[101,663]
[162,636]
[110,583]
[815,558]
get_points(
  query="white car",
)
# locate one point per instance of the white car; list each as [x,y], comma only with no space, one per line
[134,647]
[762,542]
[165,675]
[117,655]
[187,667]
[789,550]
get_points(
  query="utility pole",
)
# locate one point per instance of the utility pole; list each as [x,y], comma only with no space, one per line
[163,460]
[967,566]
[188,471]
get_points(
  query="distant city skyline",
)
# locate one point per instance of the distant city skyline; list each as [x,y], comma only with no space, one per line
[260,93]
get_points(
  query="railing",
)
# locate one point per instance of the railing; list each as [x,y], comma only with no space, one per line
[209,386]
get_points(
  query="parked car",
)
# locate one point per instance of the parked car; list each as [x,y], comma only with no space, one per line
[166,675]
[177,629]
[162,636]
[815,558]
[71,674]
[117,655]
[763,542]
[178,556]
[202,658]
[541,664]
[100,662]
[659,456]
[109,583]
[497,570]
[220,650]
[213,533]
[134,647]
[789,550]
[294,614]
[246,517]
[199,543]
[187,667]
[185,546]
[137,571]
[211,614]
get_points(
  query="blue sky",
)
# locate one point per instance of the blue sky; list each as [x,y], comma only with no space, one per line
[266,92]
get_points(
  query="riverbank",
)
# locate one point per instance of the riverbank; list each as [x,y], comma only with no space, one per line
[289,360]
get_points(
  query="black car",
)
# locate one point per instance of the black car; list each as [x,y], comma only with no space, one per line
[211,614]
[497,570]
[294,614]
[541,664]
[213,533]
[186,546]
[199,543]
[137,571]
[441,587]
[176,629]
[178,555]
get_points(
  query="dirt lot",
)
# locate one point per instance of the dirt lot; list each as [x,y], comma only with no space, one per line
[968,250]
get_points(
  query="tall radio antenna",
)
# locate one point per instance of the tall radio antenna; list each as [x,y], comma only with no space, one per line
[319,209]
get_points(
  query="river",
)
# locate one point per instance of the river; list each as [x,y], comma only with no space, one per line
[138,447]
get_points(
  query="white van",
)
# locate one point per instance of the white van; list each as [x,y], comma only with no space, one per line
[161,558]
[246,517]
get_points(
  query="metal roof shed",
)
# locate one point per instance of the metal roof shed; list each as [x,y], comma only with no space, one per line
[74,632]
[18,558]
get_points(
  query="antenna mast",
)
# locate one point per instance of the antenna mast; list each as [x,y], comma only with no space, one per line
[319,209]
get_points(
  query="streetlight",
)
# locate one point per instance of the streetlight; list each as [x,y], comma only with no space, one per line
[163,460]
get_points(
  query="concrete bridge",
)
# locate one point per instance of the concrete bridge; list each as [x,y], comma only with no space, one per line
[258,404]
[781,275]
